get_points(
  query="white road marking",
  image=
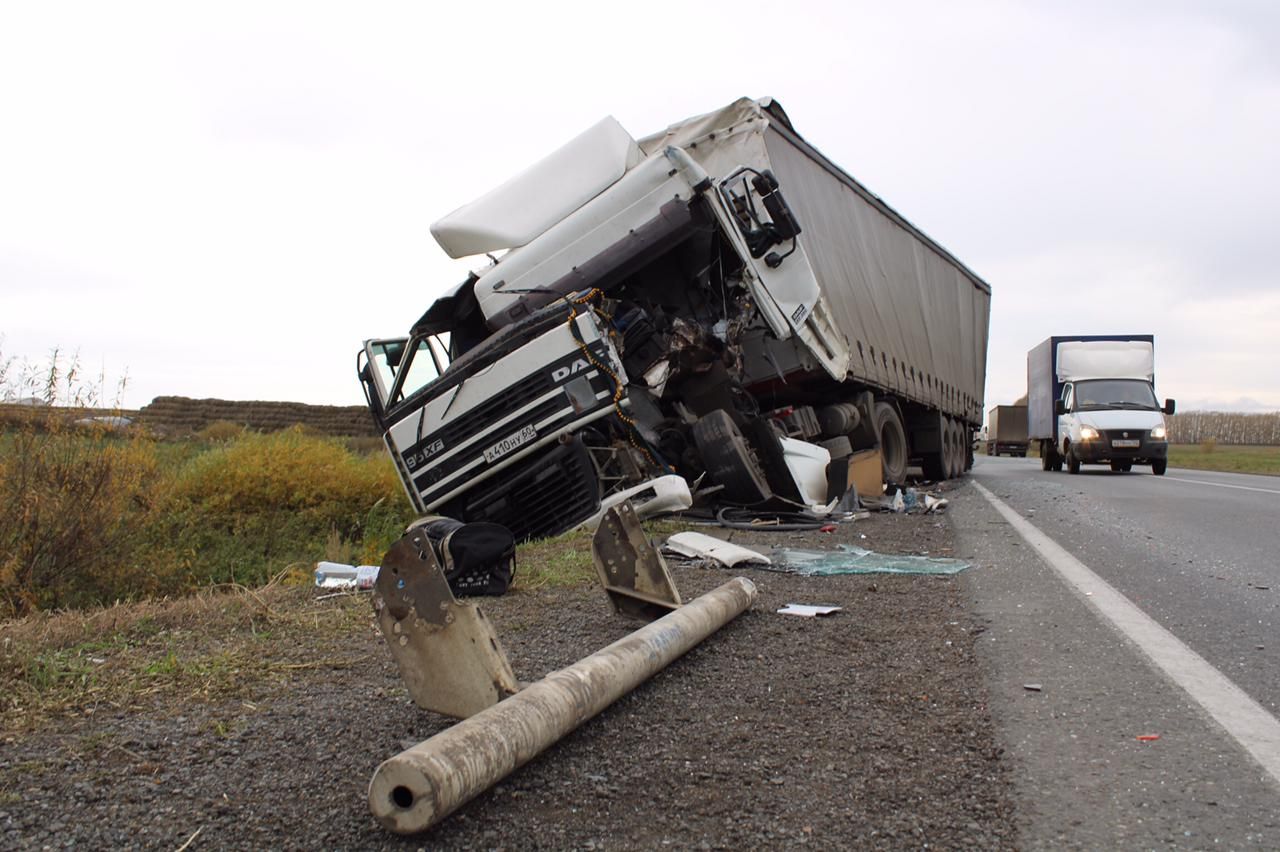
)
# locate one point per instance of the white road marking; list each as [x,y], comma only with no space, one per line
[1223,485]
[1247,721]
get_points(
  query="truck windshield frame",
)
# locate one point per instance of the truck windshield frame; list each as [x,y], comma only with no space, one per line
[1099,394]
[400,368]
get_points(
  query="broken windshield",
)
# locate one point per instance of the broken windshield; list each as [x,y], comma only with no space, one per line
[1115,393]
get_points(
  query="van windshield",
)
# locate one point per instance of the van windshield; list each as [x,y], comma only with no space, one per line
[1115,393]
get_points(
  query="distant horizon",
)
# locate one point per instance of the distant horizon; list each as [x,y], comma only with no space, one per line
[1194,408]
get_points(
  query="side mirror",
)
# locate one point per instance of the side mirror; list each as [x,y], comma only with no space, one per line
[1169,406]
[784,221]
[1059,407]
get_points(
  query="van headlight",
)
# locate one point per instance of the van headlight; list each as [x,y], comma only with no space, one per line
[1088,433]
[1158,433]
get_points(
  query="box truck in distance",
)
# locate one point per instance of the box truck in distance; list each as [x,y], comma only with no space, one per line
[1007,430]
[717,306]
[1091,400]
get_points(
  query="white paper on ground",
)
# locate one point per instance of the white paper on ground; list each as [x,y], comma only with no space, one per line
[808,610]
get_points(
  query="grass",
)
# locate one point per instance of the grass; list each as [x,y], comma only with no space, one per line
[1228,458]
[565,560]
[221,643]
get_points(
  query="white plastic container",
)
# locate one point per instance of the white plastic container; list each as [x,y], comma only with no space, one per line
[336,575]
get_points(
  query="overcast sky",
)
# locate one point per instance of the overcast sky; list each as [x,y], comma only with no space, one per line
[224,199]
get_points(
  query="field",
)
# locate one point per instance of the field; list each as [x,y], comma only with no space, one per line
[1232,459]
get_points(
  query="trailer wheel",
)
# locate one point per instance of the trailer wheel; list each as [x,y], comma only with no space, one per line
[959,453]
[893,442]
[729,460]
[1046,456]
[934,466]
[948,448]
[934,462]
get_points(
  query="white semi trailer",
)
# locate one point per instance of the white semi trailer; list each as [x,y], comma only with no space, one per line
[718,302]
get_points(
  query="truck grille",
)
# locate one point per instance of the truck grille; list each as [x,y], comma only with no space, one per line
[1125,434]
[509,399]
[551,493]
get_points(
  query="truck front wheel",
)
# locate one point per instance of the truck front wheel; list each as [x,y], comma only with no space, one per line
[1158,466]
[728,458]
[1073,460]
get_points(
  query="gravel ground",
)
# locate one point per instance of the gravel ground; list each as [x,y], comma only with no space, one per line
[865,729]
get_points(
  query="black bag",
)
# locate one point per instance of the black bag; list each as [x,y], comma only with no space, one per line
[478,558]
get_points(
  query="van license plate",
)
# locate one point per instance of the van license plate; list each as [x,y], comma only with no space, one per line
[1129,443]
[510,443]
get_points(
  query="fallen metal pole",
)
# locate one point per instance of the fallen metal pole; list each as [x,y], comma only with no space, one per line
[423,784]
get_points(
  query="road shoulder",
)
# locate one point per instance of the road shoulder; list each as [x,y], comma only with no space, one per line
[1082,777]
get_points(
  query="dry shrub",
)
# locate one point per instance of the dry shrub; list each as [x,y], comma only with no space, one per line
[1208,445]
[74,508]
[242,510]
[221,432]
[75,499]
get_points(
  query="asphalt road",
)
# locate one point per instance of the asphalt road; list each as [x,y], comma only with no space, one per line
[1196,552]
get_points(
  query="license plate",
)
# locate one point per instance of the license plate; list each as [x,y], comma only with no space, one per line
[510,443]
[1126,443]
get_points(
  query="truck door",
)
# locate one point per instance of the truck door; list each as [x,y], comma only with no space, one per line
[1067,420]
[393,368]
[752,212]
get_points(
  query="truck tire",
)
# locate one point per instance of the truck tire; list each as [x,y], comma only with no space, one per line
[1158,466]
[949,448]
[933,462]
[933,466]
[1073,461]
[957,449]
[728,459]
[893,442]
[1046,456]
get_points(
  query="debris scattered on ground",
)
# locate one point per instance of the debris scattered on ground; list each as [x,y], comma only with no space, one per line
[1032,687]
[851,559]
[694,545]
[337,575]
[808,610]
[1147,738]
[318,692]
[912,500]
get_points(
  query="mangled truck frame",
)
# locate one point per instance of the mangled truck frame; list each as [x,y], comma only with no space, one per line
[718,305]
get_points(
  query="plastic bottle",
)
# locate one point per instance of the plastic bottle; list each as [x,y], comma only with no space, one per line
[336,575]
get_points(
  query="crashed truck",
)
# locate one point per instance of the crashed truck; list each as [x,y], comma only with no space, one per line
[717,307]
